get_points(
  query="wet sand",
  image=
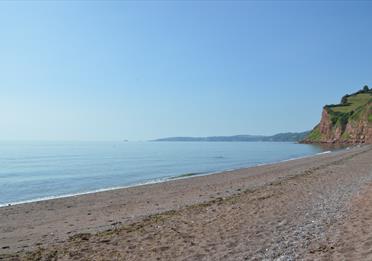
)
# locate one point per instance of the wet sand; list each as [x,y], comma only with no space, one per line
[302,209]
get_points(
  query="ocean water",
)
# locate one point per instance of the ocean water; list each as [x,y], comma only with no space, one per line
[31,171]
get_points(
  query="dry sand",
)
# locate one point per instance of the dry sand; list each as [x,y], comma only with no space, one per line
[306,209]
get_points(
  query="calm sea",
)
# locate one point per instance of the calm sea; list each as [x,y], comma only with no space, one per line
[39,170]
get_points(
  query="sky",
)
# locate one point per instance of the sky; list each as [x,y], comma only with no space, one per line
[138,70]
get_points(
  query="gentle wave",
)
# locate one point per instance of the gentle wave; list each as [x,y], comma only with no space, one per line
[153,181]
[83,193]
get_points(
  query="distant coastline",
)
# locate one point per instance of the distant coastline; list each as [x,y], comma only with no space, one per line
[280,137]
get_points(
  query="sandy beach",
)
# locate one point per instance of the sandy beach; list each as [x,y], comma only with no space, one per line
[305,209]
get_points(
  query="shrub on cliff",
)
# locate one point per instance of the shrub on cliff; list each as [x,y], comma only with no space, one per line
[344,99]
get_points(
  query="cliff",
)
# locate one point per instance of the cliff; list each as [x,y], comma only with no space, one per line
[347,122]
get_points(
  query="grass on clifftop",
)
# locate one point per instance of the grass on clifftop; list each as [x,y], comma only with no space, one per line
[351,107]
[350,110]
[352,102]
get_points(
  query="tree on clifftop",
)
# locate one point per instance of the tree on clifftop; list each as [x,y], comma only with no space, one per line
[344,99]
[365,88]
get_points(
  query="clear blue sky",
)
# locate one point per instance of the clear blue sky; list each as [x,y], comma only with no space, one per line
[141,70]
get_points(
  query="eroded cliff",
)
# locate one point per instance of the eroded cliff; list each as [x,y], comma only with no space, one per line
[347,122]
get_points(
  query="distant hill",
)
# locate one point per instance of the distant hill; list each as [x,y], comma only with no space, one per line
[347,122]
[289,136]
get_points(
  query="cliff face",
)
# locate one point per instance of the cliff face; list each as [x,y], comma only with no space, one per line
[360,131]
[348,122]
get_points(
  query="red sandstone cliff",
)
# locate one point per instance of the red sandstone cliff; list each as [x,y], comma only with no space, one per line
[345,125]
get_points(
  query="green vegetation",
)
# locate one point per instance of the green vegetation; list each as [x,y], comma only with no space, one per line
[345,135]
[315,135]
[352,109]
[339,119]
[352,102]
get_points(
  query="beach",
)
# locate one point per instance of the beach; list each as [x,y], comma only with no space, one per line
[311,208]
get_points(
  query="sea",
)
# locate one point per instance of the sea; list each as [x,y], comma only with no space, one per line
[35,171]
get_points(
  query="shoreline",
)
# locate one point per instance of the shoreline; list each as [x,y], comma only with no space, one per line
[307,192]
[161,180]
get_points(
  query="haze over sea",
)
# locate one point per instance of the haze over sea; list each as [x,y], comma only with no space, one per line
[39,170]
